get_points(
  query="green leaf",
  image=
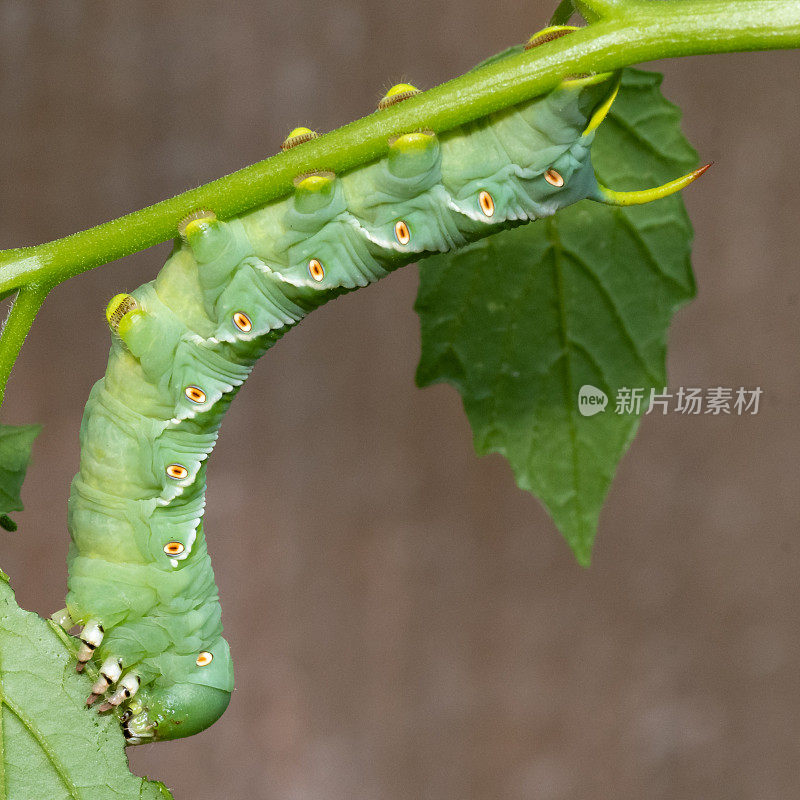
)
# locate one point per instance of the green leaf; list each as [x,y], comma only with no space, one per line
[51,745]
[15,455]
[520,321]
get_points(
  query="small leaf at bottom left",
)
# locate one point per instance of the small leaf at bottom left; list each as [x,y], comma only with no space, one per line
[51,745]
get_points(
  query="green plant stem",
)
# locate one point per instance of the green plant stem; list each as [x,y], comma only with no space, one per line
[640,31]
[26,305]
[593,10]
[634,31]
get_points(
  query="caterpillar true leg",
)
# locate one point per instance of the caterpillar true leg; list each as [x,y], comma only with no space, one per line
[109,674]
[128,687]
[91,637]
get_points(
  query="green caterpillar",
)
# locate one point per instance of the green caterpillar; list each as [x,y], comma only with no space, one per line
[140,579]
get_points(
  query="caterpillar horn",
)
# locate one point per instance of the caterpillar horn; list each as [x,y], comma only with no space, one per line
[612,197]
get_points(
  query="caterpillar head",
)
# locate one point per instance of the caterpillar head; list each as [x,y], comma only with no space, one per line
[191,704]
[179,710]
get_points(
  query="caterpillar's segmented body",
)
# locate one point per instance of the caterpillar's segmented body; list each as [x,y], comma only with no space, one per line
[140,578]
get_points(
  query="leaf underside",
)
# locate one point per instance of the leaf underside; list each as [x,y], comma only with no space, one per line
[51,745]
[520,321]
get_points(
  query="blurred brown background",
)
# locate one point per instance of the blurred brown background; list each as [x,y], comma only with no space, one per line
[405,623]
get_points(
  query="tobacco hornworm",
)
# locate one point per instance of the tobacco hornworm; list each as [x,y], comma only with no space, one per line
[140,579]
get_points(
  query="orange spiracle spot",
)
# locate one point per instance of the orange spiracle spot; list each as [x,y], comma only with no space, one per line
[315,269]
[554,178]
[242,321]
[177,471]
[204,659]
[173,548]
[195,394]
[486,203]
[401,232]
